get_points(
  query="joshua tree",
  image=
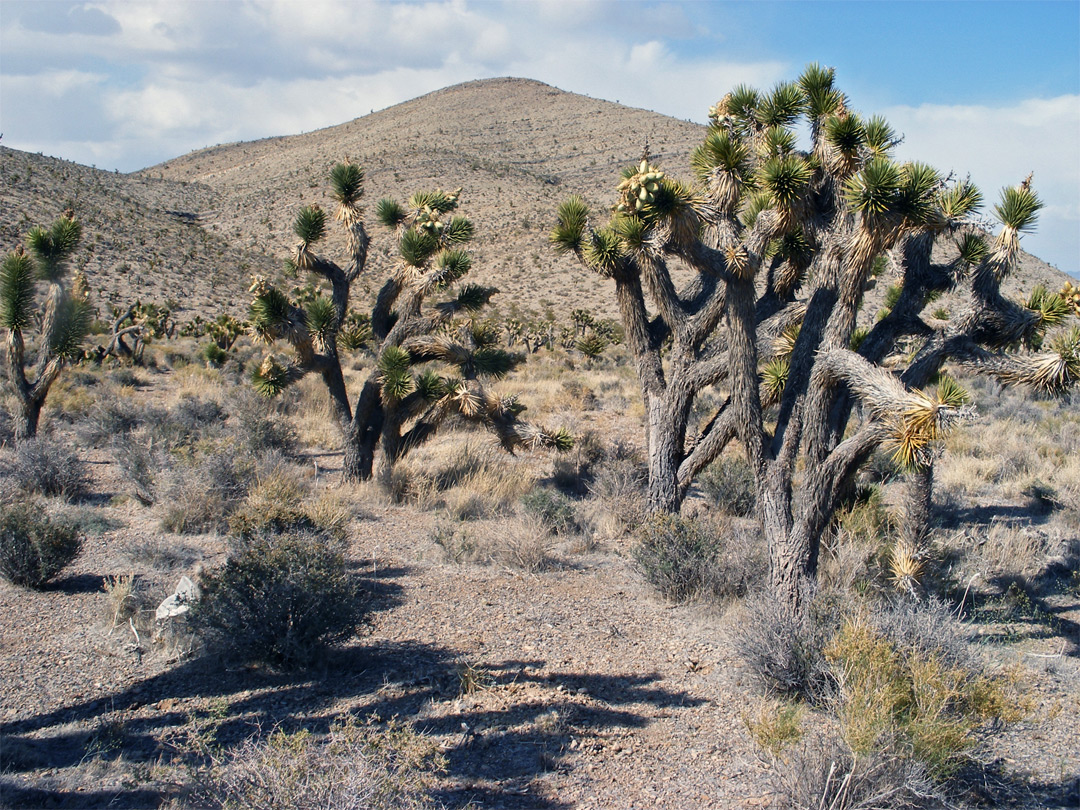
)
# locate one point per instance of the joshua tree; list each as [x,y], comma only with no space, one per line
[782,244]
[62,316]
[404,400]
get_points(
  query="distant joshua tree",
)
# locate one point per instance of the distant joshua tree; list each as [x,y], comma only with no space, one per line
[406,397]
[60,316]
[782,243]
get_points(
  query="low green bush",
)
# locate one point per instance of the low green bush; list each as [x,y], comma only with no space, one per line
[552,508]
[33,548]
[686,559]
[44,466]
[729,483]
[279,599]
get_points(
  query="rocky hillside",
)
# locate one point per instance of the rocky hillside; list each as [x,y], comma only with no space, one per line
[195,228]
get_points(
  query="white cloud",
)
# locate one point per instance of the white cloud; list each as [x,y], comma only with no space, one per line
[1000,146]
[142,82]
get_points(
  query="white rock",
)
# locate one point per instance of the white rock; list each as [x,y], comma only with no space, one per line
[180,601]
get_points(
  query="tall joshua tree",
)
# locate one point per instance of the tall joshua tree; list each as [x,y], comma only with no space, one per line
[405,398]
[781,244]
[61,316]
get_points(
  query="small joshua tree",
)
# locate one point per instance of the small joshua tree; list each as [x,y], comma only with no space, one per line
[62,317]
[781,244]
[405,399]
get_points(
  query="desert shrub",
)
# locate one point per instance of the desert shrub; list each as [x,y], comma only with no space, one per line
[784,653]
[353,767]
[109,418]
[687,559]
[552,508]
[46,467]
[160,553]
[139,462]
[279,599]
[729,482]
[912,698]
[575,470]
[33,548]
[823,772]
[7,426]
[258,425]
[202,491]
[617,493]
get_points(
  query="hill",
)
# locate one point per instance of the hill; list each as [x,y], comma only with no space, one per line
[195,228]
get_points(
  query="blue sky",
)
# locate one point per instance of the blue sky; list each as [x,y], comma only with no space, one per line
[986,88]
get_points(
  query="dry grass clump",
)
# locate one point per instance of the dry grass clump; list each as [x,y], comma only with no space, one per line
[822,773]
[553,509]
[281,501]
[34,548]
[520,542]
[353,766]
[908,700]
[616,505]
[469,478]
[44,466]
[775,724]
[202,490]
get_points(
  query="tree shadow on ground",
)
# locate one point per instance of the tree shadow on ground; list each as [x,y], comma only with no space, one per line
[77,583]
[993,785]
[495,749]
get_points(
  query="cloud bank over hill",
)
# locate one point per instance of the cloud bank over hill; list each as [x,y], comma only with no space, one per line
[126,85]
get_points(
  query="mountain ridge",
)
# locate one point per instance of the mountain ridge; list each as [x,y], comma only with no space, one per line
[196,227]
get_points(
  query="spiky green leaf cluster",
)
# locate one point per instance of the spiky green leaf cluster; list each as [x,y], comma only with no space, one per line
[52,247]
[973,249]
[960,201]
[571,221]
[397,381]
[268,313]
[781,107]
[916,198]
[417,246]
[604,252]
[321,318]
[355,332]
[347,183]
[785,179]
[438,200]
[451,266]
[70,326]
[472,297]
[1051,308]
[17,291]
[879,137]
[873,191]
[722,152]
[846,134]
[1018,208]
[822,98]
[310,224]
[390,212]
[272,377]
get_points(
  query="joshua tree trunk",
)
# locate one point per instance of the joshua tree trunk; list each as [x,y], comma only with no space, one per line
[26,419]
[782,243]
